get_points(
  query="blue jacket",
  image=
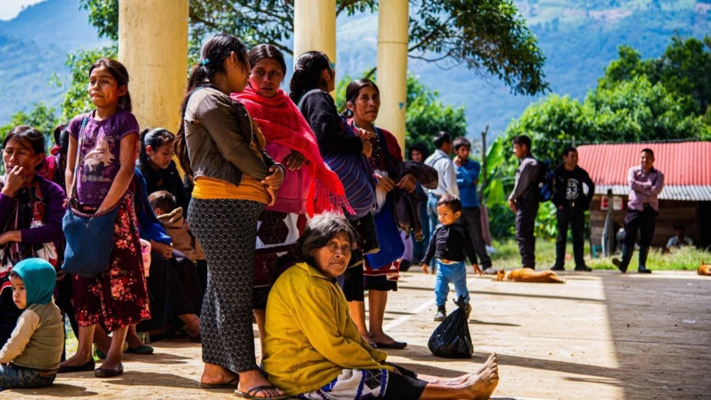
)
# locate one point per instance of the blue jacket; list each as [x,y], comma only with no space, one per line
[467,174]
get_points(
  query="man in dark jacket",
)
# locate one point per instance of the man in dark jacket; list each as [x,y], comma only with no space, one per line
[523,200]
[571,202]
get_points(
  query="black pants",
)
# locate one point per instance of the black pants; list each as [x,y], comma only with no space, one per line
[471,218]
[525,226]
[575,218]
[644,221]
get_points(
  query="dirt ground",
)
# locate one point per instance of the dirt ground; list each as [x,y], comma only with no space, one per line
[602,335]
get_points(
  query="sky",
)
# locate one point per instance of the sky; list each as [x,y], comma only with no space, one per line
[10,8]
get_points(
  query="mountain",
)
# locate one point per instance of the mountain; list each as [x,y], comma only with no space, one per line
[34,47]
[578,37]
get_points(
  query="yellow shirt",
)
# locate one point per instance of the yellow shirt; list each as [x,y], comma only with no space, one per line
[310,336]
[212,188]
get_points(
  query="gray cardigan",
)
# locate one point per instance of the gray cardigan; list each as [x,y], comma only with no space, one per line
[218,134]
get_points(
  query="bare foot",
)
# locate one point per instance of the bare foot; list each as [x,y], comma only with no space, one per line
[383,338]
[252,379]
[214,374]
[483,385]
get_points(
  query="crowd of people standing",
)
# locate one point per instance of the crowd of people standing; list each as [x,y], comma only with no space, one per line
[283,197]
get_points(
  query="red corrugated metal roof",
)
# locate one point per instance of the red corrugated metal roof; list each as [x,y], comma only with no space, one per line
[684,163]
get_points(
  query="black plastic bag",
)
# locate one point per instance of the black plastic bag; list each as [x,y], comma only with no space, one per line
[451,339]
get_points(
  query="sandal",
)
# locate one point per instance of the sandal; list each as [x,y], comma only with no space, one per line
[224,385]
[253,392]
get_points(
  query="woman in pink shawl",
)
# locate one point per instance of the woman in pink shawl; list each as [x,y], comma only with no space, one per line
[309,186]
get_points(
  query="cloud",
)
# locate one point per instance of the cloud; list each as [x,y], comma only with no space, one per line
[10,9]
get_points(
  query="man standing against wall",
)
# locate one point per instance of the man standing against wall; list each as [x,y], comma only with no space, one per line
[524,200]
[447,182]
[646,182]
[467,180]
[571,203]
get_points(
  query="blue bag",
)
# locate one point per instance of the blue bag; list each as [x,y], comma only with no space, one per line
[90,240]
[90,237]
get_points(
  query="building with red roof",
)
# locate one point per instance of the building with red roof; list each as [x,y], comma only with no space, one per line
[686,198]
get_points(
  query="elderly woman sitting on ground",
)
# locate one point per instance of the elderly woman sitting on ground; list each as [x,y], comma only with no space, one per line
[312,347]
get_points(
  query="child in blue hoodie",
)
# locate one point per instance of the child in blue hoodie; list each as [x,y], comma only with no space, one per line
[30,358]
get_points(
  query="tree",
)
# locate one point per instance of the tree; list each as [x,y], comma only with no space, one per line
[77,100]
[636,100]
[427,115]
[41,117]
[488,36]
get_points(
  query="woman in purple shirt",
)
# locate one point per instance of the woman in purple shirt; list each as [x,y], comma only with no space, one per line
[31,214]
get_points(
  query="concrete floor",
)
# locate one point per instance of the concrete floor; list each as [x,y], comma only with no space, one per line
[602,335]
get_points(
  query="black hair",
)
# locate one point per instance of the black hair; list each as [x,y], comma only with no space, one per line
[450,201]
[262,51]
[319,231]
[441,138]
[648,151]
[353,91]
[155,138]
[213,55]
[568,150]
[15,275]
[27,136]
[307,73]
[680,226]
[421,147]
[522,139]
[460,142]
[120,73]
[164,200]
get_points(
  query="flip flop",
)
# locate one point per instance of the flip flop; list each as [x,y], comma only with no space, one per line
[224,385]
[253,392]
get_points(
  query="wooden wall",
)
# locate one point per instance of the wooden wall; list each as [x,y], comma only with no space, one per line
[671,212]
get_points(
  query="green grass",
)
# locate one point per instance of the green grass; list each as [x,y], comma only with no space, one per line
[507,256]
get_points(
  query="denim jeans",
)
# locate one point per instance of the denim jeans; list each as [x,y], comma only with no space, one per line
[446,273]
[12,376]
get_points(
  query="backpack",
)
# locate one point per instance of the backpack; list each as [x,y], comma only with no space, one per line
[545,182]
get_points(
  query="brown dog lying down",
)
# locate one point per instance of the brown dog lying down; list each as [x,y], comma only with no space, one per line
[704,269]
[528,275]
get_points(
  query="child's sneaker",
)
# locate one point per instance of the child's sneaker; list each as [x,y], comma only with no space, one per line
[441,312]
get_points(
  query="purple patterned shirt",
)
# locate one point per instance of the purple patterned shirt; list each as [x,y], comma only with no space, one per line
[100,153]
[644,188]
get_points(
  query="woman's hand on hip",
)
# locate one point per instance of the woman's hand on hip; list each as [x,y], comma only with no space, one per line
[275,179]
[13,181]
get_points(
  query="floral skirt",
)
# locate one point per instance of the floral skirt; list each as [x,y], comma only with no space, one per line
[118,296]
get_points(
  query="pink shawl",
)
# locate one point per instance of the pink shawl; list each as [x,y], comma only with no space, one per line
[282,123]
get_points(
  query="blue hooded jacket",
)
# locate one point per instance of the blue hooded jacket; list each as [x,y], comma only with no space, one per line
[39,278]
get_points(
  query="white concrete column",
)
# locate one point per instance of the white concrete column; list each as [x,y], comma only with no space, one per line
[392,66]
[315,27]
[153,45]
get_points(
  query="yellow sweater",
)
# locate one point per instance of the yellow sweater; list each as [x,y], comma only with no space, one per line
[310,336]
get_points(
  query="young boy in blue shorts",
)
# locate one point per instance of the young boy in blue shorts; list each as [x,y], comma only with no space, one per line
[450,244]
